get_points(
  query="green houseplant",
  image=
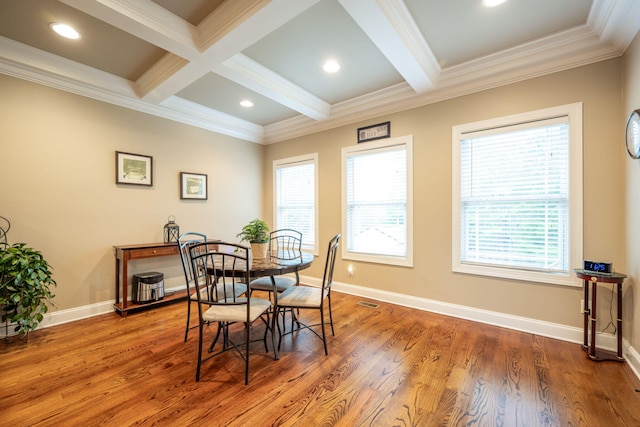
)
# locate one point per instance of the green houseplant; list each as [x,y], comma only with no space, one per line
[25,287]
[256,233]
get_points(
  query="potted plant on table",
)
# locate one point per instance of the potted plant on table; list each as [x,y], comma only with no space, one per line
[256,233]
[25,287]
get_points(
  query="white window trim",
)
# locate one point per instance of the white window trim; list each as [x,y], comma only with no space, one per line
[374,145]
[574,112]
[290,161]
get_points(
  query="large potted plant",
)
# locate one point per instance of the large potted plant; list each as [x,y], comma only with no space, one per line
[256,233]
[25,287]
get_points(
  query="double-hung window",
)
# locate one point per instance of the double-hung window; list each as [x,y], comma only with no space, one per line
[295,194]
[517,196]
[377,208]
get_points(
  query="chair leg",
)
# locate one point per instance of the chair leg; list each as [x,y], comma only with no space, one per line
[186,331]
[200,328]
[266,330]
[324,338]
[246,358]
[215,340]
[330,315]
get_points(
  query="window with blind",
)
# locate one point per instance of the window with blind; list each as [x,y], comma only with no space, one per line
[295,197]
[517,196]
[377,201]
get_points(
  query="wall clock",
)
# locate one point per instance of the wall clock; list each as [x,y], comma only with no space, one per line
[633,134]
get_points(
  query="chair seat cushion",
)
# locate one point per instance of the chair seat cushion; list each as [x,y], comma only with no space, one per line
[301,296]
[240,289]
[264,283]
[235,312]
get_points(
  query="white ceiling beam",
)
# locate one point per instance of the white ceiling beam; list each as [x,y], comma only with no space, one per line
[247,30]
[389,24]
[145,20]
[248,73]
[194,51]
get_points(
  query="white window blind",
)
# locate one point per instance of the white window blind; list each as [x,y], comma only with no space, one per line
[514,195]
[295,197]
[377,203]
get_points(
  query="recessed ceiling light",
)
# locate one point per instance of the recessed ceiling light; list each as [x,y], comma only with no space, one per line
[65,31]
[246,103]
[492,3]
[331,66]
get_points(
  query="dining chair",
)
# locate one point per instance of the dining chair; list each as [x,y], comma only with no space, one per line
[281,241]
[185,242]
[284,243]
[220,271]
[312,298]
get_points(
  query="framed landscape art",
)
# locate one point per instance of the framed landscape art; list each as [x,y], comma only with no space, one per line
[134,169]
[193,186]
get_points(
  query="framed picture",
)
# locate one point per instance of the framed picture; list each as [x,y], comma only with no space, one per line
[134,169]
[379,131]
[193,186]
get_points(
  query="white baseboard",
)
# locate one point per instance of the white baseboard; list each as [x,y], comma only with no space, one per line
[523,324]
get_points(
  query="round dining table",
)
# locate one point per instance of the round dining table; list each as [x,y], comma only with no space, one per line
[276,264]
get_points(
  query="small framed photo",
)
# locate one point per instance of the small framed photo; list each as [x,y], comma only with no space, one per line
[134,169]
[193,186]
[370,133]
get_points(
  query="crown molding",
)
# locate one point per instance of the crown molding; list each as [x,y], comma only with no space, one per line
[185,111]
[615,21]
[27,63]
[570,49]
[610,28]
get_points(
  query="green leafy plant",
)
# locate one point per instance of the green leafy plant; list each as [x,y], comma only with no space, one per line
[257,231]
[25,287]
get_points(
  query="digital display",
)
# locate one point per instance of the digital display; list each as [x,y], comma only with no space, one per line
[597,267]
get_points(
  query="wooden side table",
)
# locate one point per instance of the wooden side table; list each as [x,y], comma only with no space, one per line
[144,250]
[589,345]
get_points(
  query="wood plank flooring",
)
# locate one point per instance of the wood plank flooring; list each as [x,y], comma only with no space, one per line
[387,366]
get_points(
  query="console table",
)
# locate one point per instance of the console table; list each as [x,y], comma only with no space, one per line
[144,250]
[590,313]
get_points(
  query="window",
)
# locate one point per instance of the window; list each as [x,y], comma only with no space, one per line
[377,204]
[517,196]
[295,197]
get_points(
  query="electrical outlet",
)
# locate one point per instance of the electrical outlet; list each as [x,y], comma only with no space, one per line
[582,306]
[350,270]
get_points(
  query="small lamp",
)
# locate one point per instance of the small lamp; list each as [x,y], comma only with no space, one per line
[171,230]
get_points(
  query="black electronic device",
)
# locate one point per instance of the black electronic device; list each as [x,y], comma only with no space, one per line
[605,268]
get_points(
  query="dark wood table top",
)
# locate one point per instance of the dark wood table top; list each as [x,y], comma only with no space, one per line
[281,263]
[599,277]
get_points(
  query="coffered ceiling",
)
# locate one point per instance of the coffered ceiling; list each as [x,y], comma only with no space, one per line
[193,61]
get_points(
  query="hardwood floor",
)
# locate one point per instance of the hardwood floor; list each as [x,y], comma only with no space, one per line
[387,366]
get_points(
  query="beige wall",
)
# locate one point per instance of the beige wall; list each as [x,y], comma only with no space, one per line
[631,329]
[57,185]
[597,86]
[57,188]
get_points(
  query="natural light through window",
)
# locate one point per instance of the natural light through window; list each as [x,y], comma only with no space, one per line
[295,197]
[377,201]
[517,196]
